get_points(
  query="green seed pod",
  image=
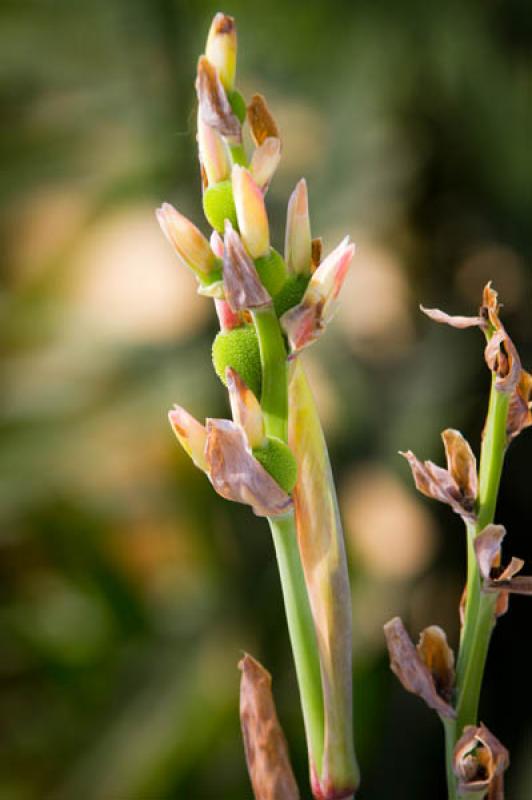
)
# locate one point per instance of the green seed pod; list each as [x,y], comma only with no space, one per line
[277,459]
[291,293]
[218,205]
[238,105]
[238,349]
[272,271]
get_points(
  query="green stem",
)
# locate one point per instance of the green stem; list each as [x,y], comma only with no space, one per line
[449,727]
[274,403]
[238,154]
[274,399]
[479,618]
[301,631]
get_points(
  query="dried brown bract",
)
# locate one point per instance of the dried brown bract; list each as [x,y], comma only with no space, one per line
[428,670]
[479,763]
[237,475]
[316,253]
[265,745]
[456,485]
[261,122]
[215,108]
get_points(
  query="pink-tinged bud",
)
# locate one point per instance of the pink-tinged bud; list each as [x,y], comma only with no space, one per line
[245,408]
[243,287]
[265,161]
[221,48]
[305,322]
[251,213]
[213,153]
[217,244]
[298,239]
[227,318]
[214,106]
[190,245]
[191,434]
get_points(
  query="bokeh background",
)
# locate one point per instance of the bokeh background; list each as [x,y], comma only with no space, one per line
[128,588]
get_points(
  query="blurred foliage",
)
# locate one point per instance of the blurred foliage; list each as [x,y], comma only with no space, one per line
[128,588]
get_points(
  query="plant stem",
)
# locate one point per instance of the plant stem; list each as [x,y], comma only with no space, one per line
[479,618]
[301,631]
[274,399]
[274,403]
[449,726]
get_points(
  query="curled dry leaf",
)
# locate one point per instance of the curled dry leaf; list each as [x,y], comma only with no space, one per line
[502,359]
[495,577]
[264,742]
[454,321]
[237,475]
[242,285]
[416,675]
[456,485]
[261,122]
[214,106]
[479,763]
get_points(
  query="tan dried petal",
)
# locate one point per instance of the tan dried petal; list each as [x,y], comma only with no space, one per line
[502,359]
[439,658]
[461,464]
[439,484]
[237,475]
[409,667]
[479,762]
[488,549]
[242,285]
[264,742]
[454,321]
[214,106]
[520,410]
[261,122]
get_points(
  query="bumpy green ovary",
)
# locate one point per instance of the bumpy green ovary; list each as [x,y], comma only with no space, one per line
[238,349]
[291,293]
[218,205]
[277,459]
[272,271]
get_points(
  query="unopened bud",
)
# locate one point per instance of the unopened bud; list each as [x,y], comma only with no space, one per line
[221,48]
[243,288]
[245,408]
[265,161]
[214,105]
[298,240]
[213,153]
[191,435]
[190,245]
[251,213]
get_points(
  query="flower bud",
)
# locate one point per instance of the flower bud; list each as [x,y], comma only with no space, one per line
[213,153]
[245,408]
[190,245]
[251,213]
[298,240]
[191,435]
[214,105]
[265,161]
[221,48]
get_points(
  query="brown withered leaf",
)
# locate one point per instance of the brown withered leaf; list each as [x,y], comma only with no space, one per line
[407,663]
[439,658]
[520,410]
[479,763]
[215,108]
[261,122]
[264,742]
[457,485]
[242,285]
[237,475]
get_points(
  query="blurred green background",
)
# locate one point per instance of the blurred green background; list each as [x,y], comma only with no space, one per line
[128,588]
